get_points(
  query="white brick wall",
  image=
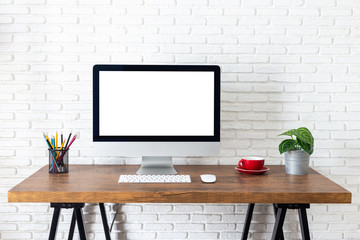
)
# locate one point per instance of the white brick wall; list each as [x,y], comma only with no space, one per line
[285,63]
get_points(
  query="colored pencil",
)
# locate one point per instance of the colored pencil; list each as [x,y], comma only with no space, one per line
[66,149]
[56,141]
[72,140]
[53,141]
[62,145]
[48,141]
[67,142]
[58,150]
[53,159]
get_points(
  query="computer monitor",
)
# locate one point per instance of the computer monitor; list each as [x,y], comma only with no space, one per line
[156,112]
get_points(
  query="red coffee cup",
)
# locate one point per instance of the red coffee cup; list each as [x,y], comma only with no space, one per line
[252,163]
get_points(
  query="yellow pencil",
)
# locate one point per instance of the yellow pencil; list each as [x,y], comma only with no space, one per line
[58,152]
[48,140]
[56,141]
[62,145]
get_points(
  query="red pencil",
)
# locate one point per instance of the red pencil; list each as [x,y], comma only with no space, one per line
[72,140]
[62,155]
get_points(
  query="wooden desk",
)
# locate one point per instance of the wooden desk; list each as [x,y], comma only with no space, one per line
[98,184]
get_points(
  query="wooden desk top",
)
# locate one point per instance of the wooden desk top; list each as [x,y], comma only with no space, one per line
[98,183]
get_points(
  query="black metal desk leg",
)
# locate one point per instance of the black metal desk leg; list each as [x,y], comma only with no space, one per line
[249,214]
[105,222]
[54,223]
[80,223]
[275,212]
[72,225]
[304,223]
[279,222]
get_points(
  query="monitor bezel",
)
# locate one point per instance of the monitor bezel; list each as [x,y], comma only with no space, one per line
[189,138]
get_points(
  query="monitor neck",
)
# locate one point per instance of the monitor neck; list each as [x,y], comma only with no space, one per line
[156,166]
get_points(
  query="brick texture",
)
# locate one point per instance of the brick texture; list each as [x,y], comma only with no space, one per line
[285,64]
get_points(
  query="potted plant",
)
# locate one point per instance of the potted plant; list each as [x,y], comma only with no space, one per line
[297,150]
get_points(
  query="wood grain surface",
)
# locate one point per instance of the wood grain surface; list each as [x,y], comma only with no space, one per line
[99,183]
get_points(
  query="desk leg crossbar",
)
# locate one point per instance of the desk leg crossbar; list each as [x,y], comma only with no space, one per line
[76,217]
[280,212]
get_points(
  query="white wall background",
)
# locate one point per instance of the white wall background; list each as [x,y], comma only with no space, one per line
[285,63]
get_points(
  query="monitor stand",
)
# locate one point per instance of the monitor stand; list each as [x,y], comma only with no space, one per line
[156,166]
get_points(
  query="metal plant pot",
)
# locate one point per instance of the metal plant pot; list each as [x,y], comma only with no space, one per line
[297,162]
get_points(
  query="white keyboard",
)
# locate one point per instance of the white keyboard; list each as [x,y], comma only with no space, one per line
[154,179]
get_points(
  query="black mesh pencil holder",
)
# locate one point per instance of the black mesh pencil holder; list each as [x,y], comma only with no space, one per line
[58,161]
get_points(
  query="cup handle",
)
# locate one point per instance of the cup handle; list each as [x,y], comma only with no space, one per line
[241,163]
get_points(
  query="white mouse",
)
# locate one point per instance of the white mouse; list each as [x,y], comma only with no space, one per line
[208,178]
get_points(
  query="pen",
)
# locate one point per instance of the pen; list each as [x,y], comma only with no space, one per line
[61,136]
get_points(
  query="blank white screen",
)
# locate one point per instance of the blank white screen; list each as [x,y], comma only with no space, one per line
[156,103]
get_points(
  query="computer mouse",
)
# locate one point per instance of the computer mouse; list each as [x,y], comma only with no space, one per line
[208,178]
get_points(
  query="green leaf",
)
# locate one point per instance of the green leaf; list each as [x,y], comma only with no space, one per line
[289,133]
[305,135]
[286,145]
[305,146]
